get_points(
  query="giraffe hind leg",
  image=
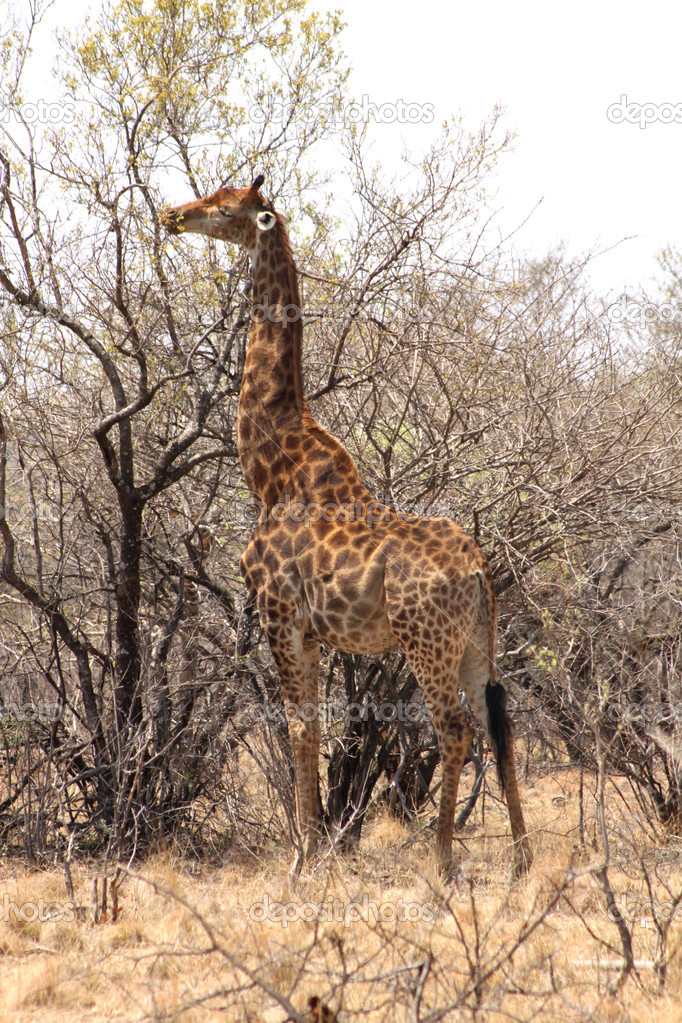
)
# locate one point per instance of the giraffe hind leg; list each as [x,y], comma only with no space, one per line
[434,651]
[488,700]
[438,682]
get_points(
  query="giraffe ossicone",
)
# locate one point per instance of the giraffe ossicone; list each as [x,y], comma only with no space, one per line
[358,583]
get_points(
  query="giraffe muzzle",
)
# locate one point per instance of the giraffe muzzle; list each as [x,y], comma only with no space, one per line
[171,219]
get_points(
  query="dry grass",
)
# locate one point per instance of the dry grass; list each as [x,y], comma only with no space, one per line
[195,944]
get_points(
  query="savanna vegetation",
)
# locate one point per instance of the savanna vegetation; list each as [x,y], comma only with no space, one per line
[142,733]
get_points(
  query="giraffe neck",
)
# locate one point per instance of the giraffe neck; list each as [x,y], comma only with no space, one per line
[285,455]
[272,406]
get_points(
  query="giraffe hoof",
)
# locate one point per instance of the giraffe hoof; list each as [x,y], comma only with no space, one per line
[305,854]
[453,875]
[443,866]
[449,869]
[297,866]
[310,848]
[523,858]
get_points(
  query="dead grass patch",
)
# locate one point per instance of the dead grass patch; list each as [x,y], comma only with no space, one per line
[376,935]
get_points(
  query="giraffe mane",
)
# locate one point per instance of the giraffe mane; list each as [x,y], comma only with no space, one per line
[296,324]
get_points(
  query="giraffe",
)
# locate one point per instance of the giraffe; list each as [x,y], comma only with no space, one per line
[328,564]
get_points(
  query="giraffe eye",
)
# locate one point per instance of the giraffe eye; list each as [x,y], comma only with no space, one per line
[225,213]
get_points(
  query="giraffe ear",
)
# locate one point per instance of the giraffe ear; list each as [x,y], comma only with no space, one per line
[266,220]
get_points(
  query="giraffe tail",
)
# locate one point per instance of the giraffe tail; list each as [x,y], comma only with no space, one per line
[499,725]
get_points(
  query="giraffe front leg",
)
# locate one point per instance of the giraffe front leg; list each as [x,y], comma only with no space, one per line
[310,823]
[297,662]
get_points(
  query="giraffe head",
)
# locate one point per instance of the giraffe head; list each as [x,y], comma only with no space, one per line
[232,214]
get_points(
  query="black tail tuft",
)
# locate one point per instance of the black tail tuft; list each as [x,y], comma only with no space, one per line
[499,727]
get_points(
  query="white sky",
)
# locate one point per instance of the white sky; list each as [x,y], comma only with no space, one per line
[556,70]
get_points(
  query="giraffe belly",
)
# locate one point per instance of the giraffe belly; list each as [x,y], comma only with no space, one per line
[345,620]
[376,637]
